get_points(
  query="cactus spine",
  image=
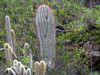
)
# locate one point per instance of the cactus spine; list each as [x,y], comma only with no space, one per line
[46,33]
[36,68]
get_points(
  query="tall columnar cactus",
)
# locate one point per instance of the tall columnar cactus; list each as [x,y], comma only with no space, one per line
[45,23]
[8,28]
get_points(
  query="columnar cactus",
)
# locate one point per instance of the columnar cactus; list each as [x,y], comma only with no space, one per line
[26,47]
[19,66]
[23,70]
[10,55]
[28,53]
[13,39]
[7,52]
[36,68]
[40,68]
[8,28]
[45,23]
[29,72]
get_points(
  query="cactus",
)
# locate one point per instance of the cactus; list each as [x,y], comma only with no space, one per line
[10,72]
[28,53]
[22,70]
[45,23]
[18,66]
[26,47]
[13,39]
[29,72]
[15,62]
[8,28]
[42,68]
[7,52]
[36,68]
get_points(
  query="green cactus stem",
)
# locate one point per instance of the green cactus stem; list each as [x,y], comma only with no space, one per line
[45,23]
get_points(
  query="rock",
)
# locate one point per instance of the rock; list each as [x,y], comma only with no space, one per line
[93,52]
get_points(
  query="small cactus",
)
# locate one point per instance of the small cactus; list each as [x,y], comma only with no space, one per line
[22,70]
[37,68]
[19,66]
[28,53]
[40,68]
[8,28]
[7,52]
[13,39]
[29,72]
[26,47]
[15,62]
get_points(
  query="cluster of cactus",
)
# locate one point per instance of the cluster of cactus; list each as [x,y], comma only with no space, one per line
[46,31]
[18,69]
[40,68]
